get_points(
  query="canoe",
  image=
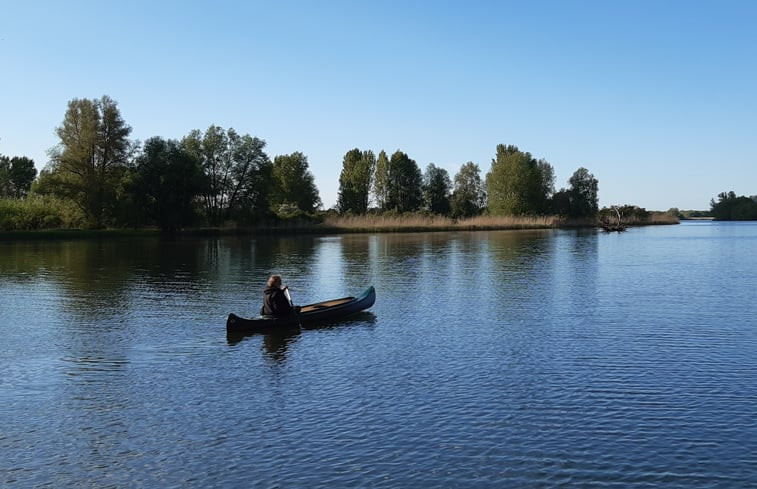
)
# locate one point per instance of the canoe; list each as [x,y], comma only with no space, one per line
[319,312]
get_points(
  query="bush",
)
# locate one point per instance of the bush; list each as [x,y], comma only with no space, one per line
[37,212]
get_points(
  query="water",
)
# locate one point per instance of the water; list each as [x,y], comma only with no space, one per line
[490,359]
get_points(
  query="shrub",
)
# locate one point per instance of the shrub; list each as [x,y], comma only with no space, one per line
[38,212]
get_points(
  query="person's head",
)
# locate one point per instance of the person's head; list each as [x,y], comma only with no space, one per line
[274,281]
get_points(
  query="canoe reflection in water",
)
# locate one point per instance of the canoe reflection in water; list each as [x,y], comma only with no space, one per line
[276,342]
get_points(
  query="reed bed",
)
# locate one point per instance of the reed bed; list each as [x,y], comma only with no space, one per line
[436,223]
[654,218]
[510,222]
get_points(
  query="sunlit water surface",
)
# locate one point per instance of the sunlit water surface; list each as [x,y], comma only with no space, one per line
[490,359]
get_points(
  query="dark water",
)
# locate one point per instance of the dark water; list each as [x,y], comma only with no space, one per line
[490,359]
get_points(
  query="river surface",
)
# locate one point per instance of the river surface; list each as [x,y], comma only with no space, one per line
[490,359]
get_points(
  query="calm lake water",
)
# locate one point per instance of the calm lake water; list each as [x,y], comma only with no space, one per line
[490,359]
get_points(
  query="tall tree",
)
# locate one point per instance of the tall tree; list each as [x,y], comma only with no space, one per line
[93,151]
[381,181]
[561,203]
[546,185]
[355,181]
[584,189]
[16,176]
[468,197]
[436,189]
[729,207]
[233,165]
[294,184]
[514,183]
[167,179]
[255,199]
[404,192]
[5,177]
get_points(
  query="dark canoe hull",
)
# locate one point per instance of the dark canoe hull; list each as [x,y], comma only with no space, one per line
[320,312]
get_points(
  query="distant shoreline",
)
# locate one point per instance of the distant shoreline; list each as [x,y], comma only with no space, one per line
[356,225]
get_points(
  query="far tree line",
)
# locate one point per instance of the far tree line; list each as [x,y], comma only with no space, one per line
[219,176]
[517,184]
[730,207]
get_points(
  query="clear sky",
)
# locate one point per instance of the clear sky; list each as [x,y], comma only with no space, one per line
[658,99]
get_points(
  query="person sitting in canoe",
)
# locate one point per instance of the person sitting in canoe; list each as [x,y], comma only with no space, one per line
[276,301]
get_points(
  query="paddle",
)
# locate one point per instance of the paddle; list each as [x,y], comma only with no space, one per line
[295,309]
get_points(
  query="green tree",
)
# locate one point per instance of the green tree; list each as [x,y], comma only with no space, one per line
[16,176]
[234,166]
[515,185]
[167,179]
[92,155]
[546,188]
[5,177]
[404,192]
[355,181]
[729,207]
[584,188]
[561,203]
[381,181]
[436,189]
[294,184]
[255,198]
[468,197]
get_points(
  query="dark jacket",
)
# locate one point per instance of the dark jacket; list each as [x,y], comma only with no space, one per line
[275,303]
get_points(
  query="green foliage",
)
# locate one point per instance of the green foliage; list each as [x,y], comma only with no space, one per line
[584,188]
[38,212]
[436,190]
[5,185]
[468,197]
[675,212]
[561,203]
[16,176]
[355,181]
[692,214]
[381,181]
[93,150]
[729,207]
[167,178]
[628,214]
[237,172]
[404,191]
[546,177]
[294,185]
[254,203]
[517,183]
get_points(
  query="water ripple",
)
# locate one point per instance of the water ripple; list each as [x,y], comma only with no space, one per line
[549,359]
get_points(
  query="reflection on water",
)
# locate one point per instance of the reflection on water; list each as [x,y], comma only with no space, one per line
[492,359]
[276,344]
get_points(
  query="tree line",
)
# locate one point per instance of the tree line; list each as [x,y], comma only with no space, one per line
[730,207]
[217,176]
[207,178]
[517,184]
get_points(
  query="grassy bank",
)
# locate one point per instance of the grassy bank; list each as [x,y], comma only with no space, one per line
[350,224]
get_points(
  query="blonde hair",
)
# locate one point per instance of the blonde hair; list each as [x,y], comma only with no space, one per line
[274,281]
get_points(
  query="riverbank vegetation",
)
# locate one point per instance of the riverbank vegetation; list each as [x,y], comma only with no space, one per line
[730,207]
[430,222]
[219,180]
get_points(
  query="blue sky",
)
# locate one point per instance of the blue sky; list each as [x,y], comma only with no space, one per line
[658,99]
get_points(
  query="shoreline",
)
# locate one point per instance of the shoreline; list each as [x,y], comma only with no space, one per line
[310,229]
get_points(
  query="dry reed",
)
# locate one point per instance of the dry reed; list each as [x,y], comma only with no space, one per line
[424,222]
